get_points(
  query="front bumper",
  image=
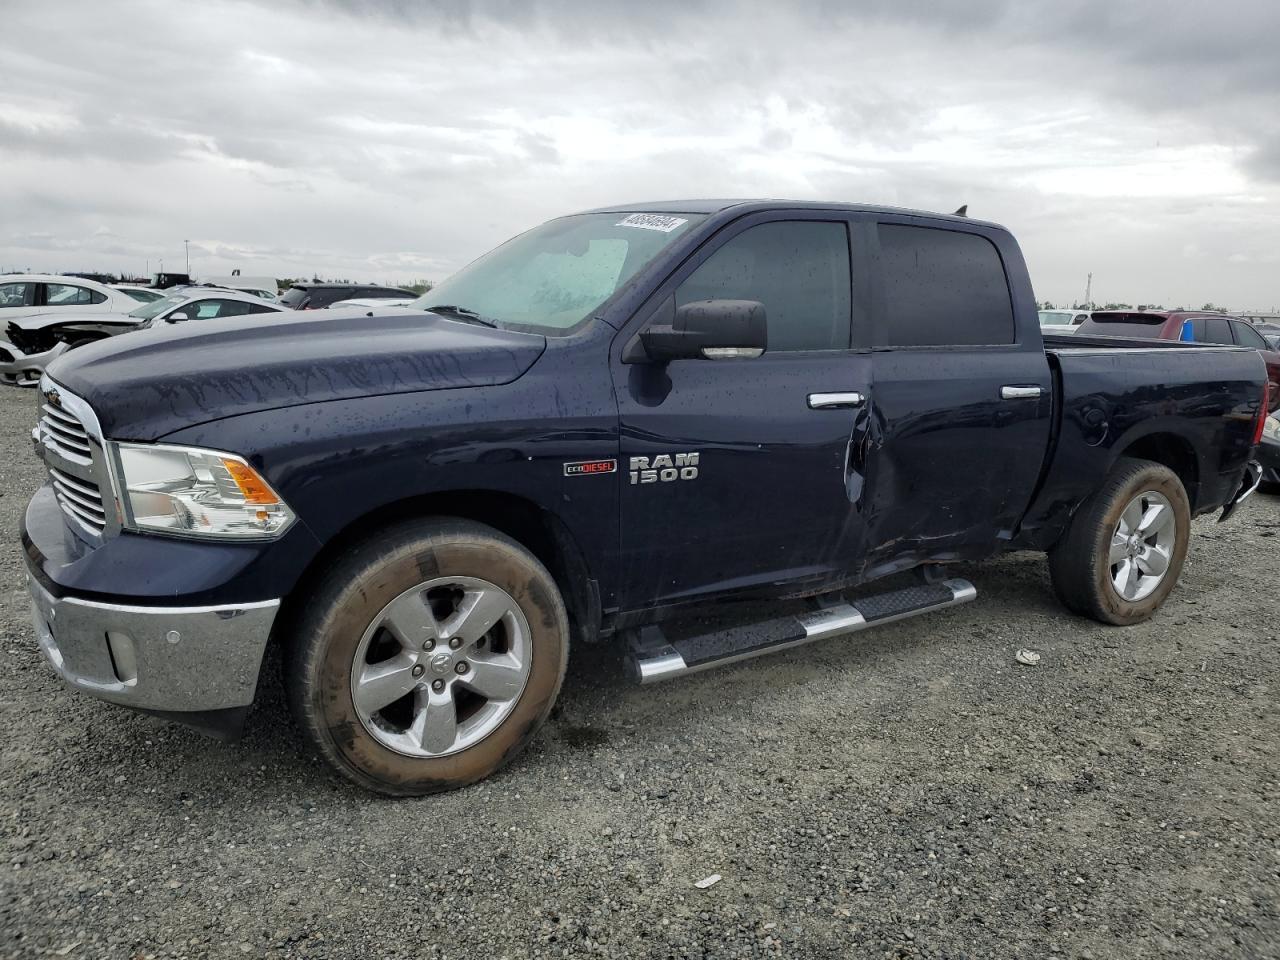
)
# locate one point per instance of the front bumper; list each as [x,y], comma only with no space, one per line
[197,665]
[18,369]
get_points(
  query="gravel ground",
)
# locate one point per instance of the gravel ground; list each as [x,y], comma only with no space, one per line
[910,792]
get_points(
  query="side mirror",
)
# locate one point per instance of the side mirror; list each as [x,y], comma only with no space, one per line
[176,317]
[707,330]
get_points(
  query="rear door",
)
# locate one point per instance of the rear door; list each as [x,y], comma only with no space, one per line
[960,400]
[735,473]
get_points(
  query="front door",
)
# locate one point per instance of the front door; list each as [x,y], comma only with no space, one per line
[736,473]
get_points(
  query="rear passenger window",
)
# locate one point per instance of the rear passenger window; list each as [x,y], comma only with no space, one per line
[942,288]
[69,295]
[1216,330]
[798,269]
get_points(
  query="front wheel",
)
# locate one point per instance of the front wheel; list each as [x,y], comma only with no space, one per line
[428,657]
[1124,549]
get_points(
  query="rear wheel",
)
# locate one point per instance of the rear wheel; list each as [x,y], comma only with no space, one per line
[428,657]
[1124,549]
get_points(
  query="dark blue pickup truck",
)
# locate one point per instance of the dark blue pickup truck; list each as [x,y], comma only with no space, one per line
[594,430]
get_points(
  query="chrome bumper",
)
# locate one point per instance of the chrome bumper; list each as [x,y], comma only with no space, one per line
[1252,477]
[159,659]
[24,370]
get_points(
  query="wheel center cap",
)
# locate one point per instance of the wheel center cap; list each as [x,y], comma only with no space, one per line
[440,664]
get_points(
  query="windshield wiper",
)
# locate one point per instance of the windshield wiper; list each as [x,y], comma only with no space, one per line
[454,312]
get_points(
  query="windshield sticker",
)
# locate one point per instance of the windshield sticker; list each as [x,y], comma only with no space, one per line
[652,221]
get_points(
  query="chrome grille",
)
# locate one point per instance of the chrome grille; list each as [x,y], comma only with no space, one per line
[64,430]
[80,499]
[69,440]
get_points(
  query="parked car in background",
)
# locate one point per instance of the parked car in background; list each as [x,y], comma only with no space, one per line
[316,296]
[268,288]
[163,281]
[1268,455]
[1062,321]
[1270,333]
[1191,327]
[32,342]
[141,294]
[24,294]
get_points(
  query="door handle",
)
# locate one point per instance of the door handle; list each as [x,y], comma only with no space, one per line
[1019,393]
[836,401]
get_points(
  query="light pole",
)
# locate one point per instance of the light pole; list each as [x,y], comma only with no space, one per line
[187,249]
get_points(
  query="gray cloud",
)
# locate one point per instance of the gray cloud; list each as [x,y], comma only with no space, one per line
[382,138]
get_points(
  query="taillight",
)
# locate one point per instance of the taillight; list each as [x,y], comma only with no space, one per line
[1262,413]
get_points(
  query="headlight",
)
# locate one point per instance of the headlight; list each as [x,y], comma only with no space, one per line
[1271,428]
[190,492]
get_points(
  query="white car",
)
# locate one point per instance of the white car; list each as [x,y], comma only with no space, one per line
[1062,321]
[24,294]
[35,340]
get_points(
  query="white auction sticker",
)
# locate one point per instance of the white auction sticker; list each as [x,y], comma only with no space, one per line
[652,221]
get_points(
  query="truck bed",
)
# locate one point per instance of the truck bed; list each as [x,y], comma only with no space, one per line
[1117,396]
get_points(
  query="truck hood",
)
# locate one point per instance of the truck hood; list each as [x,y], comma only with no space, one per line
[157,380]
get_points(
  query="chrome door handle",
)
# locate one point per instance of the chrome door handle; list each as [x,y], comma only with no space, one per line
[1019,393]
[835,401]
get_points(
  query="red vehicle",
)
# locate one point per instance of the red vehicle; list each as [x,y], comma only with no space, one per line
[1190,326]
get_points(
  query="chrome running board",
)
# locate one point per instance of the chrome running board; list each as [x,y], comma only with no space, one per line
[653,657]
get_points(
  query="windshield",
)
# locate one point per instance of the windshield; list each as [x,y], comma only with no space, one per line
[151,310]
[1050,318]
[141,295]
[554,276]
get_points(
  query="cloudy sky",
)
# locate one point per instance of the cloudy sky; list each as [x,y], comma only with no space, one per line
[394,140]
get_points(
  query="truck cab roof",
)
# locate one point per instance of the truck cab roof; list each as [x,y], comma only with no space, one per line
[706,207]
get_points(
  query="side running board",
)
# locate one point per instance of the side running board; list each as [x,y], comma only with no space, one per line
[654,657]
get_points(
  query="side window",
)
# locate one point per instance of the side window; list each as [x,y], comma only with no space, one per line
[327,295]
[798,269]
[207,309]
[1216,330]
[69,295]
[1246,336]
[260,308]
[942,288]
[18,294]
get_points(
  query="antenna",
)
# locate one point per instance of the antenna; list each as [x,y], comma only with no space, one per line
[963,211]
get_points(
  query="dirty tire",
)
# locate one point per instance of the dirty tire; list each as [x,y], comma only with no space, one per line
[324,639]
[1079,563]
